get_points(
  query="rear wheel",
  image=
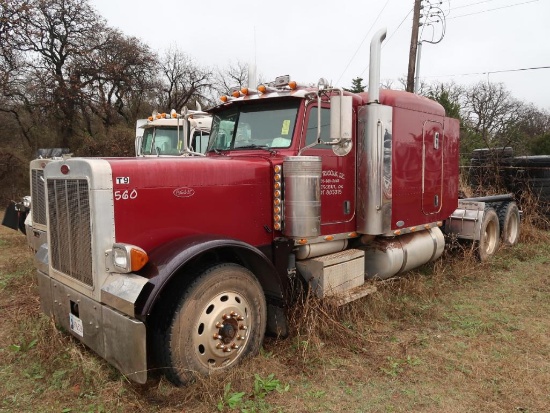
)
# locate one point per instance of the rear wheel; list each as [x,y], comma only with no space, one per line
[220,319]
[489,236]
[509,220]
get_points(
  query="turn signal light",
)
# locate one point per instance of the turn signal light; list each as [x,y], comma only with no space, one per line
[138,258]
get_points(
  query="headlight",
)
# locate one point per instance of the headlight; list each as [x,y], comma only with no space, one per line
[127,258]
[27,201]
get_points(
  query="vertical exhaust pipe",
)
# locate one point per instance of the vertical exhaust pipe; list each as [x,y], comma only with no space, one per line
[374,152]
[374,65]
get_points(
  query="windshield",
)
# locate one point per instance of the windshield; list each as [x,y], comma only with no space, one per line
[165,141]
[254,126]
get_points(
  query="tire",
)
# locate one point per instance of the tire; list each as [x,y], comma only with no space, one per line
[219,320]
[510,223]
[489,235]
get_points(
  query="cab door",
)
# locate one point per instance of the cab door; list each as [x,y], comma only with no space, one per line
[339,175]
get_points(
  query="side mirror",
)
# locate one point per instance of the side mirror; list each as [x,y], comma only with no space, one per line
[139,139]
[341,123]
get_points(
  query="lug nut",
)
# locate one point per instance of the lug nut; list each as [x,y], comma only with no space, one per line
[235,346]
[226,317]
[240,318]
[220,346]
[241,327]
[217,337]
[227,350]
[219,325]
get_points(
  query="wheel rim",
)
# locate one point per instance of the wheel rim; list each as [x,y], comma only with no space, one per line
[222,330]
[513,227]
[490,237]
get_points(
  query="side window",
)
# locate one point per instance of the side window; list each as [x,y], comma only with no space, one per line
[311,133]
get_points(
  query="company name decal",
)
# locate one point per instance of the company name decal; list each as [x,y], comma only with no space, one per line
[184,192]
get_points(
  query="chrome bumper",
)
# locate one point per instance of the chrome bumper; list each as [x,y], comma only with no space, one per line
[117,338]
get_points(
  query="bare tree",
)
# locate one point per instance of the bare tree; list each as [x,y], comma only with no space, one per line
[235,75]
[51,35]
[182,82]
[115,76]
[491,112]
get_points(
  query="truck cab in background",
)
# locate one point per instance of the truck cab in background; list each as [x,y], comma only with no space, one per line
[164,134]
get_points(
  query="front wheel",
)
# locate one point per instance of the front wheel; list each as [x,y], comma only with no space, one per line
[220,319]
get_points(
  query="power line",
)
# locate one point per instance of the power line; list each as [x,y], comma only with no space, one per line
[497,8]
[389,38]
[363,41]
[469,5]
[492,71]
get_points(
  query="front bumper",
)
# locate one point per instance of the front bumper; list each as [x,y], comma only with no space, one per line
[119,339]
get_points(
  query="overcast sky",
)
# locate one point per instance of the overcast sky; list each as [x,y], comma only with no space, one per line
[309,39]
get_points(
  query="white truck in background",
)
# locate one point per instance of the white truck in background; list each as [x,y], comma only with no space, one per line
[165,134]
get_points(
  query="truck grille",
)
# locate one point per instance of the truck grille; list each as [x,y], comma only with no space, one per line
[38,196]
[70,228]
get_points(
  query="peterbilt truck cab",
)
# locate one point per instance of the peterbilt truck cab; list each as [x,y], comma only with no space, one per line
[180,265]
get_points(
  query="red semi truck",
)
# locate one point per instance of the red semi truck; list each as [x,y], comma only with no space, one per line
[181,265]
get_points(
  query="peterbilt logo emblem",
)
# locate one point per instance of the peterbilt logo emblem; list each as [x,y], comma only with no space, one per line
[184,192]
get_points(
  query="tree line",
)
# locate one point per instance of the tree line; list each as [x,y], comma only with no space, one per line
[68,79]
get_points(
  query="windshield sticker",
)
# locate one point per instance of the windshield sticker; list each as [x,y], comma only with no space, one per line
[286,127]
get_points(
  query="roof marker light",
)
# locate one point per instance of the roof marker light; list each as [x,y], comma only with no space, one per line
[236,94]
[292,84]
[224,98]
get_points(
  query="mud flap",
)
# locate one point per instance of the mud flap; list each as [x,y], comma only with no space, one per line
[11,217]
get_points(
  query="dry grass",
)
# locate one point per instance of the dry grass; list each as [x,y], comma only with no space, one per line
[452,336]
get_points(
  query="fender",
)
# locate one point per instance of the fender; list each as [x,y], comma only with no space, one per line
[166,261]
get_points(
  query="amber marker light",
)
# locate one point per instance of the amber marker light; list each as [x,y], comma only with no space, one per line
[262,89]
[277,226]
[138,258]
[277,201]
[277,169]
[398,232]
[236,94]
[244,91]
[302,241]
[277,209]
[352,234]
[277,185]
[223,98]
[277,194]
[150,118]
[329,238]
[292,84]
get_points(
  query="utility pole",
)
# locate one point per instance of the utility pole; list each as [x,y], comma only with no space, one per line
[414,43]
